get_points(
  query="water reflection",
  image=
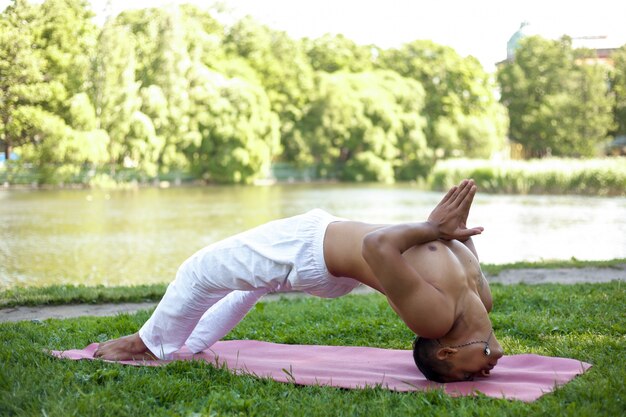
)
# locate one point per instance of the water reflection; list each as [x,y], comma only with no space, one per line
[141,236]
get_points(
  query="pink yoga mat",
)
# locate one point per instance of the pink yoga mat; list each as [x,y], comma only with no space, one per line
[518,377]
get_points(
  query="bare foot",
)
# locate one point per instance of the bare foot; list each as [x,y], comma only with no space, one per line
[125,348]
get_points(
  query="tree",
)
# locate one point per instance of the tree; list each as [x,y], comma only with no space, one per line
[144,145]
[366,127]
[283,70]
[618,82]
[458,92]
[162,64]
[65,35]
[58,149]
[44,58]
[332,53]
[115,91]
[234,132]
[204,36]
[558,104]
[22,83]
[170,72]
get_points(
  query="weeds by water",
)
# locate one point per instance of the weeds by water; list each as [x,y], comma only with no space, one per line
[602,177]
[585,322]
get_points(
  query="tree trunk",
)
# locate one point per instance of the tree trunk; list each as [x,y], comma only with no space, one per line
[7,152]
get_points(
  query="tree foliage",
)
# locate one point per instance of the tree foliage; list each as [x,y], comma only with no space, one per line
[114,90]
[281,67]
[558,103]
[235,131]
[618,82]
[331,53]
[365,126]
[45,67]
[460,104]
[173,91]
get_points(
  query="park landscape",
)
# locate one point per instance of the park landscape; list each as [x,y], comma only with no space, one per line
[129,145]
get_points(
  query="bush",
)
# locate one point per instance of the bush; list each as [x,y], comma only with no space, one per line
[367,167]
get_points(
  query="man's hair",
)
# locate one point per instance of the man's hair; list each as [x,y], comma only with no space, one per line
[425,357]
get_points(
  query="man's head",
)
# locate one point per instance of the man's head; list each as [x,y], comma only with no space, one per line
[425,357]
[455,363]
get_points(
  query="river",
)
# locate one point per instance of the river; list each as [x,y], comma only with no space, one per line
[126,237]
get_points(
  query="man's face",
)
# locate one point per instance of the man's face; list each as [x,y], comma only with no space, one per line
[469,362]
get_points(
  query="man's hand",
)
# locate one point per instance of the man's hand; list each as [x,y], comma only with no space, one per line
[450,215]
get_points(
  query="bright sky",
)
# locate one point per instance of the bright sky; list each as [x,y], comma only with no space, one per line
[473,27]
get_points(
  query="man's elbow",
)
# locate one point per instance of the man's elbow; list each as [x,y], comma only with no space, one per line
[372,246]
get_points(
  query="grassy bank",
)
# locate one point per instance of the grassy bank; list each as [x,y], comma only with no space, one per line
[71,294]
[585,322]
[495,269]
[546,176]
[80,294]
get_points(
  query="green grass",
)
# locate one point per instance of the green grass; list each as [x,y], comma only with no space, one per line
[585,322]
[79,294]
[495,269]
[70,294]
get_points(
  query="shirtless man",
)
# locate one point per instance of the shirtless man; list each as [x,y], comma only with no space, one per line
[428,271]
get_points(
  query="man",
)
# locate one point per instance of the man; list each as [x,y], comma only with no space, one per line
[428,271]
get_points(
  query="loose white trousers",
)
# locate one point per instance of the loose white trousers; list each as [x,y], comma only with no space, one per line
[216,287]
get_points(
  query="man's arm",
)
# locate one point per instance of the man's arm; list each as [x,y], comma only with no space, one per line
[482,284]
[469,243]
[412,296]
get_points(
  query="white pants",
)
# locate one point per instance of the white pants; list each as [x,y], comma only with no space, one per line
[216,287]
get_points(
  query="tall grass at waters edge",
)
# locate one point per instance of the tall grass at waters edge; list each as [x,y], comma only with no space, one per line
[603,177]
[583,321]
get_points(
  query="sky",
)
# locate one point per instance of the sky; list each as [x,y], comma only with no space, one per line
[472,27]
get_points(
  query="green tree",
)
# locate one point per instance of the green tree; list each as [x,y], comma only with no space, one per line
[204,36]
[366,127]
[23,87]
[143,145]
[162,64]
[43,112]
[152,128]
[283,70]
[65,35]
[618,82]
[57,148]
[558,104]
[332,53]
[459,95]
[170,72]
[114,89]
[235,133]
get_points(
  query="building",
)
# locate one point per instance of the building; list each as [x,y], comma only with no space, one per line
[602,46]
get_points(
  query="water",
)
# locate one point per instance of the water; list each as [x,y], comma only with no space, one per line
[141,236]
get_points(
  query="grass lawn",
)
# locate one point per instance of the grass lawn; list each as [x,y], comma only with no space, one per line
[585,322]
[80,294]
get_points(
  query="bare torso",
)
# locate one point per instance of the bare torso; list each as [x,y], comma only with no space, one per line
[448,265]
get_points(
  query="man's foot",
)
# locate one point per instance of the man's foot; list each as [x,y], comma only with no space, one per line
[123,349]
